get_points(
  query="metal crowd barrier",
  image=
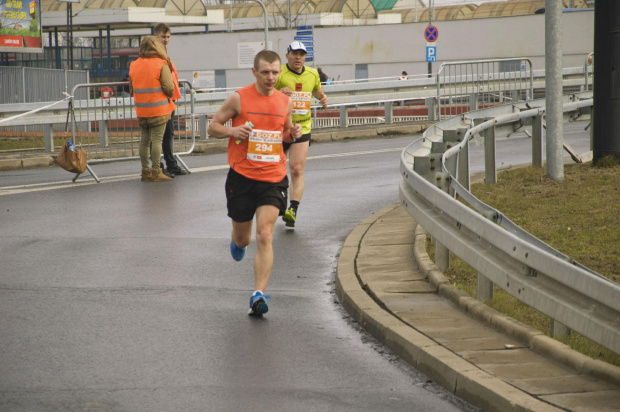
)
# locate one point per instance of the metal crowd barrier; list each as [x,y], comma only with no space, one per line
[470,85]
[435,170]
[106,126]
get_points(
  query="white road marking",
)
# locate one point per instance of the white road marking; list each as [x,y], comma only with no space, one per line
[39,187]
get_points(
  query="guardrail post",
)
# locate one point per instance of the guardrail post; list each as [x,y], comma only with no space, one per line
[424,166]
[473,102]
[463,159]
[389,112]
[344,116]
[559,329]
[48,137]
[442,254]
[490,167]
[202,126]
[103,133]
[537,141]
[431,104]
[458,165]
[484,287]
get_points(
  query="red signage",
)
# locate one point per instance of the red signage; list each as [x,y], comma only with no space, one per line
[431,34]
[11,41]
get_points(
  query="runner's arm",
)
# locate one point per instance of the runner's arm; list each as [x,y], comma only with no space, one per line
[291,132]
[231,108]
[320,94]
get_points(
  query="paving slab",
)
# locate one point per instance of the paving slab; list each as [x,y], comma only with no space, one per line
[568,384]
[597,401]
[461,346]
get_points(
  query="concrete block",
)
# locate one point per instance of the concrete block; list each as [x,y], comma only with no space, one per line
[43,161]
[442,366]
[588,401]
[406,342]
[602,370]
[514,328]
[354,134]
[540,369]
[9,164]
[493,395]
[568,384]
[321,137]
[356,235]
[376,321]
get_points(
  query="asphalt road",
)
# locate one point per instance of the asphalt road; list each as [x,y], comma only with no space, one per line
[122,295]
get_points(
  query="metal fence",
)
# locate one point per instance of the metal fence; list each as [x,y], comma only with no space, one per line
[31,85]
[466,86]
[106,126]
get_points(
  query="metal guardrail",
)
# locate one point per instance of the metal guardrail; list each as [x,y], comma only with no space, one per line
[470,85]
[435,168]
[342,96]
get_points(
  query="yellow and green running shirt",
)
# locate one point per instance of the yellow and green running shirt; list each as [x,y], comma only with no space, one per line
[302,86]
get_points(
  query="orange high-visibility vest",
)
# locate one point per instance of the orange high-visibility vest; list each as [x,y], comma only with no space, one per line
[148,94]
[175,79]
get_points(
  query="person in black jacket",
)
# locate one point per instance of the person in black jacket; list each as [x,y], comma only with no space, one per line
[322,76]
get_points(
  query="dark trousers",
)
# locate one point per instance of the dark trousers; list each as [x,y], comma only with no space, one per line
[168,144]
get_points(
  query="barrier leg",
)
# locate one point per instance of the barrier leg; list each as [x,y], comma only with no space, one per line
[182,163]
[75,178]
[48,137]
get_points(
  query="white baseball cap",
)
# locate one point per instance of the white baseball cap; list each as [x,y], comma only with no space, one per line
[296,45]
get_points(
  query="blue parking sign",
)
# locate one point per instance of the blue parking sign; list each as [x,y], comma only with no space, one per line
[431,53]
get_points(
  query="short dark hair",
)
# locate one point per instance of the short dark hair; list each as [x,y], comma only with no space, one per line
[162,28]
[267,55]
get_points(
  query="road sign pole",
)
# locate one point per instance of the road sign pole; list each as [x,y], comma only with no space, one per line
[430,23]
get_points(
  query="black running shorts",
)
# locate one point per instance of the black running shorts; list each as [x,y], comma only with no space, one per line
[303,138]
[244,196]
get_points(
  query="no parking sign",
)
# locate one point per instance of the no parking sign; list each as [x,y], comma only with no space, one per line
[431,34]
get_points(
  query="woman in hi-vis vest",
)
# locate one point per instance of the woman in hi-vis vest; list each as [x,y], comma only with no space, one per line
[151,85]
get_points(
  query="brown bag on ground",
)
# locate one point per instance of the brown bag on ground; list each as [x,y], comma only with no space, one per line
[72,161]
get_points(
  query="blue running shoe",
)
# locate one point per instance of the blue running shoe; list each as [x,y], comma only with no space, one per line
[237,252]
[258,304]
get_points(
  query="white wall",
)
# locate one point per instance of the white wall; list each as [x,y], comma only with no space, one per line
[390,49]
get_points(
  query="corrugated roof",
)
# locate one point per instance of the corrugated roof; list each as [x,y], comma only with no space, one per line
[383,4]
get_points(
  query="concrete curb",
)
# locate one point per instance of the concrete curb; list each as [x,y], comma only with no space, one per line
[440,364]
[538,341]
[209,146]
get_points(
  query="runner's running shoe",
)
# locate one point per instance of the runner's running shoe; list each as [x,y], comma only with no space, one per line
[237,252]
[258,304]
[289,217]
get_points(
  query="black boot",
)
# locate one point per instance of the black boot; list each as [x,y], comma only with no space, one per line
[176,170]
